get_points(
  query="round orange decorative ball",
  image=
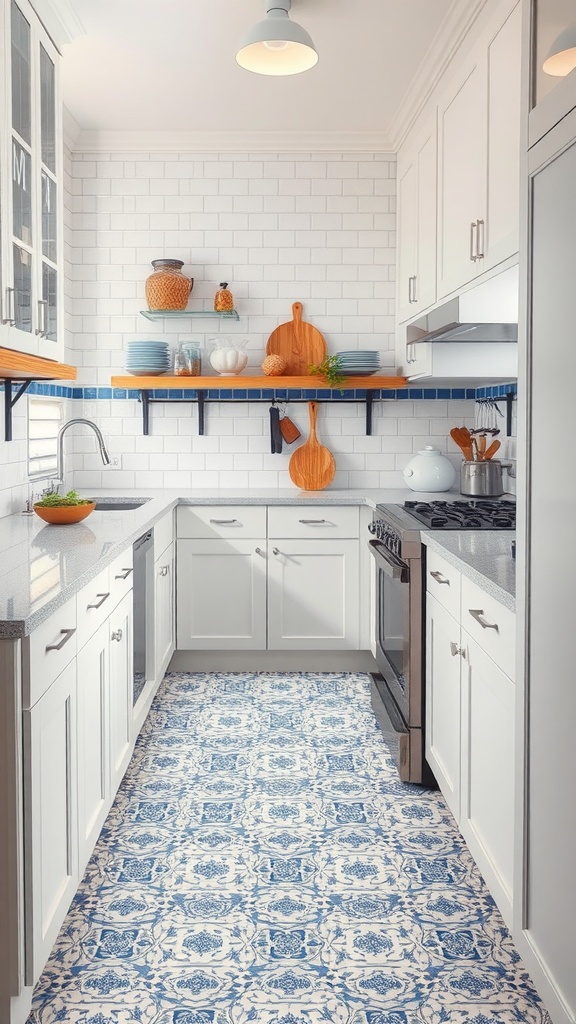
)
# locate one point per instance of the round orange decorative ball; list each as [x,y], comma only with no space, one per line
[273,366]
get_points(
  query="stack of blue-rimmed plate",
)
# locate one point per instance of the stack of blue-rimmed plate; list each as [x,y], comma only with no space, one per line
[148,358]
[360,363]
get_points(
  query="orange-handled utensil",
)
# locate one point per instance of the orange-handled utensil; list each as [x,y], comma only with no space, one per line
[491,451]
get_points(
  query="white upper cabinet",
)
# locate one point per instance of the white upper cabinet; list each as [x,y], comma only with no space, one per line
[503,142]
[479,158]
[30,187]
[461,127]
[417,175]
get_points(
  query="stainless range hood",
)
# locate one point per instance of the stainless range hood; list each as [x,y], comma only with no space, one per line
[487,313]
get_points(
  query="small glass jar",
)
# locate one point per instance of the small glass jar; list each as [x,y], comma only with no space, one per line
[188,359]
[168,288]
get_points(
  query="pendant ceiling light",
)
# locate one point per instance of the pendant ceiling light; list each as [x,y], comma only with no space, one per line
[561,59]
[277,46]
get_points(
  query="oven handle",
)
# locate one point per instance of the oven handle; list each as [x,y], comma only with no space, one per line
[388,562]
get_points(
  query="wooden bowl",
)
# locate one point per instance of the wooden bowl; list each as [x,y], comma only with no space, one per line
[63,514]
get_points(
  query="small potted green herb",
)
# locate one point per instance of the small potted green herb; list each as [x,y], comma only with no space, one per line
[331,369]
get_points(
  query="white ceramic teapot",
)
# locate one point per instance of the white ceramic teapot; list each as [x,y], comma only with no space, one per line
[429,470]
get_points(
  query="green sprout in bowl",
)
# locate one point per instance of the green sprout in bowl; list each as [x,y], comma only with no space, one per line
[55,500]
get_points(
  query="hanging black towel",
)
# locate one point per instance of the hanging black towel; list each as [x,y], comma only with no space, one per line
[275,432]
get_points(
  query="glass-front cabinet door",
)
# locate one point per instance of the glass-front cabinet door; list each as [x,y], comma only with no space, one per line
[31,196]
[553,64]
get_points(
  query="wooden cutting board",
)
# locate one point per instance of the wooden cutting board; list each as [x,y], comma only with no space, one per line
[312,466]
[298,343]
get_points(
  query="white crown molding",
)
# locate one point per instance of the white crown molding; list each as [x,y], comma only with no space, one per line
[60,20]
[230,142]
[457,23]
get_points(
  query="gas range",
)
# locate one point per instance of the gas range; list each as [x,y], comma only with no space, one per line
[398,527]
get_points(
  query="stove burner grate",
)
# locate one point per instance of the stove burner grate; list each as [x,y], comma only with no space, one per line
[464,515]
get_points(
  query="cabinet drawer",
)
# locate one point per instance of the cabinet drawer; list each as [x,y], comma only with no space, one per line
[205,522]
[490,624]
[93,605]
[121,572]
[163,533]
[314,521]
[443,581]
[48,650]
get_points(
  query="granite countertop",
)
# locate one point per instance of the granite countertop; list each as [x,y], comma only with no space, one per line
[42,566]
[484,556]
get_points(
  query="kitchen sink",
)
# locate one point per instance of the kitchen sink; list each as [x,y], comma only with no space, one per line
[112,505]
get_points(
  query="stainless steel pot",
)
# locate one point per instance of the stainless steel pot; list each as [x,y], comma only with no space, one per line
[483,479]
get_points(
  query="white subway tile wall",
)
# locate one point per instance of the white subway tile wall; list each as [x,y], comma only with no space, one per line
[278,227]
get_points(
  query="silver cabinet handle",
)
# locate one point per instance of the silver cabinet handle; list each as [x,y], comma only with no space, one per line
[164,570]
[275,551]
[412,289]
[42,317]
[480,239]
[474,241]
[439,577]
[312,522]
[410,358]
[223,522]
[117,635]
[454,649]
[10,317]
[98,604]
[478,614]
[66,634]
[124,574]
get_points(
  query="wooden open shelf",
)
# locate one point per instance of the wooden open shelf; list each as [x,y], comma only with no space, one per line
[19,366]
[240,383]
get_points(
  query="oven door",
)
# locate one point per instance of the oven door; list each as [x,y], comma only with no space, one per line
[393,624]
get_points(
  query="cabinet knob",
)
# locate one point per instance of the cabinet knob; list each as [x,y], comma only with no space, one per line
[164,570]
[455,649]
[275,551]
[259,552]
[117,635]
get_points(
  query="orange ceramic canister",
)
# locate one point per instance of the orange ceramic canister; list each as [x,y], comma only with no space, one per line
[167,287]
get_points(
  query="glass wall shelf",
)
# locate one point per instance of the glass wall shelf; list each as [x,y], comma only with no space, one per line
[184,314]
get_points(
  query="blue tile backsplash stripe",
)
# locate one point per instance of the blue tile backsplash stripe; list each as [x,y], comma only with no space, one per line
[353,395]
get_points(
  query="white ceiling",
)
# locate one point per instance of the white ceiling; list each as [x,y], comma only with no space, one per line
[152,65]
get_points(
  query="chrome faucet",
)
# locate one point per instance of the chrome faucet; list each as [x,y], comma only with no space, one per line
[60,463]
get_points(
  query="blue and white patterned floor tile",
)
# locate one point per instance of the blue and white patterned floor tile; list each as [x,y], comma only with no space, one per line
[262,864]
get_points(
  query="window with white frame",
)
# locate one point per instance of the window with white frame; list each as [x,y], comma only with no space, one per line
[45,417]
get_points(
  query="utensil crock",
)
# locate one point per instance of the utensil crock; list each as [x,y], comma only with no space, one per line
[483,479]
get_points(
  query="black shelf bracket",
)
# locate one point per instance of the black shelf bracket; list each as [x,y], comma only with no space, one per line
[510,396]
[10,400]
[202,400]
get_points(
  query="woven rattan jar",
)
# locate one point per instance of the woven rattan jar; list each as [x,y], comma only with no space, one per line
[167,288]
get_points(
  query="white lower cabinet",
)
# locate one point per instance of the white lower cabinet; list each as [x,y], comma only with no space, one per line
[221,595]
[121,682]
[288,579]
[93,741]
[487,775]
[313,595]
[470,725]
[443,700]
[50,817]
[164,625]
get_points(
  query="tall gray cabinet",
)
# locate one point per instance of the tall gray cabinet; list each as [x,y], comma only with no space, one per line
[546,931]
